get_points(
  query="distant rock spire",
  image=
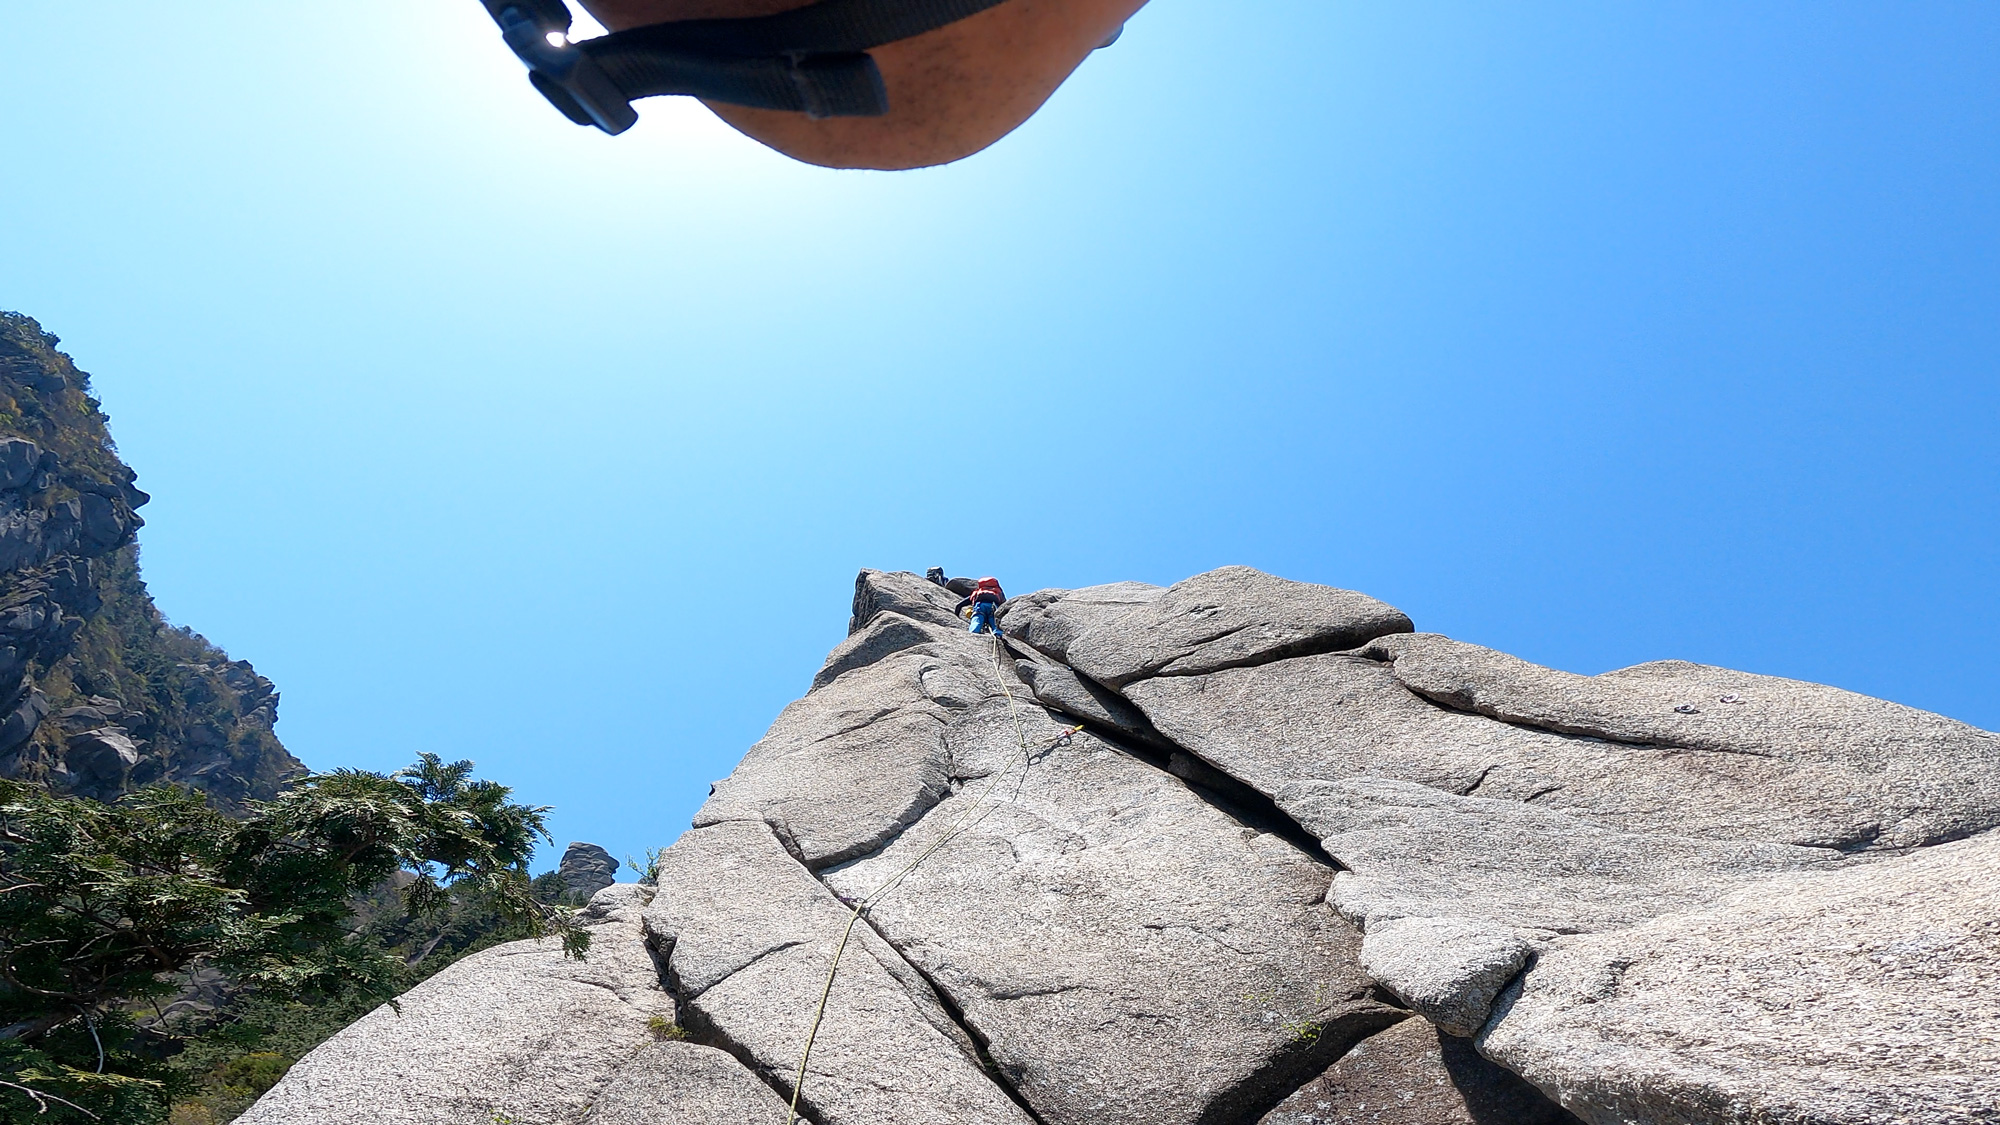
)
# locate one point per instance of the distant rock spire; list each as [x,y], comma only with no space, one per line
[587,869]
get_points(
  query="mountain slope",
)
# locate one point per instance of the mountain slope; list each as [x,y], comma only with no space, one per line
[98,692]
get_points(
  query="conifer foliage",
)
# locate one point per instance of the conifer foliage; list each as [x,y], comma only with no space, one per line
[104,906]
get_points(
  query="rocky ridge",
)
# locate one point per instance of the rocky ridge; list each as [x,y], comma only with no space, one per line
[1244,850]
[98,693]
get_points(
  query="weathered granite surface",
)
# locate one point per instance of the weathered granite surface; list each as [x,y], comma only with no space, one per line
[1056,686]
[686,1084]
[516,1032]
[1300,866]
[1411,851]
[1918,778]
[1050,620]
[1334,717]
[903,594]
[861,757]
[1447,969]
[1412,1075]
[1226,618]
[1086,898]
[1866,995]
[749,935]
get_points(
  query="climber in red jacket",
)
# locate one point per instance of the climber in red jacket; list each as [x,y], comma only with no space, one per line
[983,601]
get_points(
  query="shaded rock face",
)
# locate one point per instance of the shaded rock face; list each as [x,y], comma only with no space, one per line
[1413,1075]
[1244,851]
[98,693]
[585,870]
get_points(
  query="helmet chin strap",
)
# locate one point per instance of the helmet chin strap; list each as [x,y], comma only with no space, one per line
[812,60]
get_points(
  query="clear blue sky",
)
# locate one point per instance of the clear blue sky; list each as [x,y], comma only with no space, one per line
[1596,333]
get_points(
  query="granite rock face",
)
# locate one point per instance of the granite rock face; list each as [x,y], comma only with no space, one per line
[1911,777]
[749,937]
[861,758]
[1861,995]
[1415,852]
[1227,618]
[514,1033]
[586,869]
[1448,970]
[98,693]
[1413,1075]
[1246,851]
[1083,897]
[1051,620]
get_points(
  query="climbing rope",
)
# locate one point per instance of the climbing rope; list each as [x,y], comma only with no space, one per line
[965,820]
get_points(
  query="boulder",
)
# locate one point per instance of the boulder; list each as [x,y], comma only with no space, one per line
[19,461]
[514,1033]
[1448,970]
[1227,618]
[748,937]
[1928,778]
[586,869]
[1126,952]
[84,717]
[103,525]
[103,756]
[1862,996]
[18,723]
[1338,716]
[1412,1075]
[878,591]
[31,535]
[1051,619]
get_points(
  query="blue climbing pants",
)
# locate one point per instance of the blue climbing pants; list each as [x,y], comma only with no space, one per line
[982,618]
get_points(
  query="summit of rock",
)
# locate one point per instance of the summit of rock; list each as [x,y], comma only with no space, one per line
[1250,851]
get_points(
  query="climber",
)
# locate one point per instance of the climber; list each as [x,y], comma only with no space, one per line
[935,576]
[983,601]
[883,84]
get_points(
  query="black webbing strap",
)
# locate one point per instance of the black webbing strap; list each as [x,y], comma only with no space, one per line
[810,60]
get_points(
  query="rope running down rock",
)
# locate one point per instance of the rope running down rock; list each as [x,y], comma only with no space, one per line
[964,821]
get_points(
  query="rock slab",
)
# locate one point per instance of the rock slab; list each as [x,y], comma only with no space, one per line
[1412,1075]
[1865,996]
[1226,618]
[749,938]
[1126,952]
[1448,970]
[516,1032]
